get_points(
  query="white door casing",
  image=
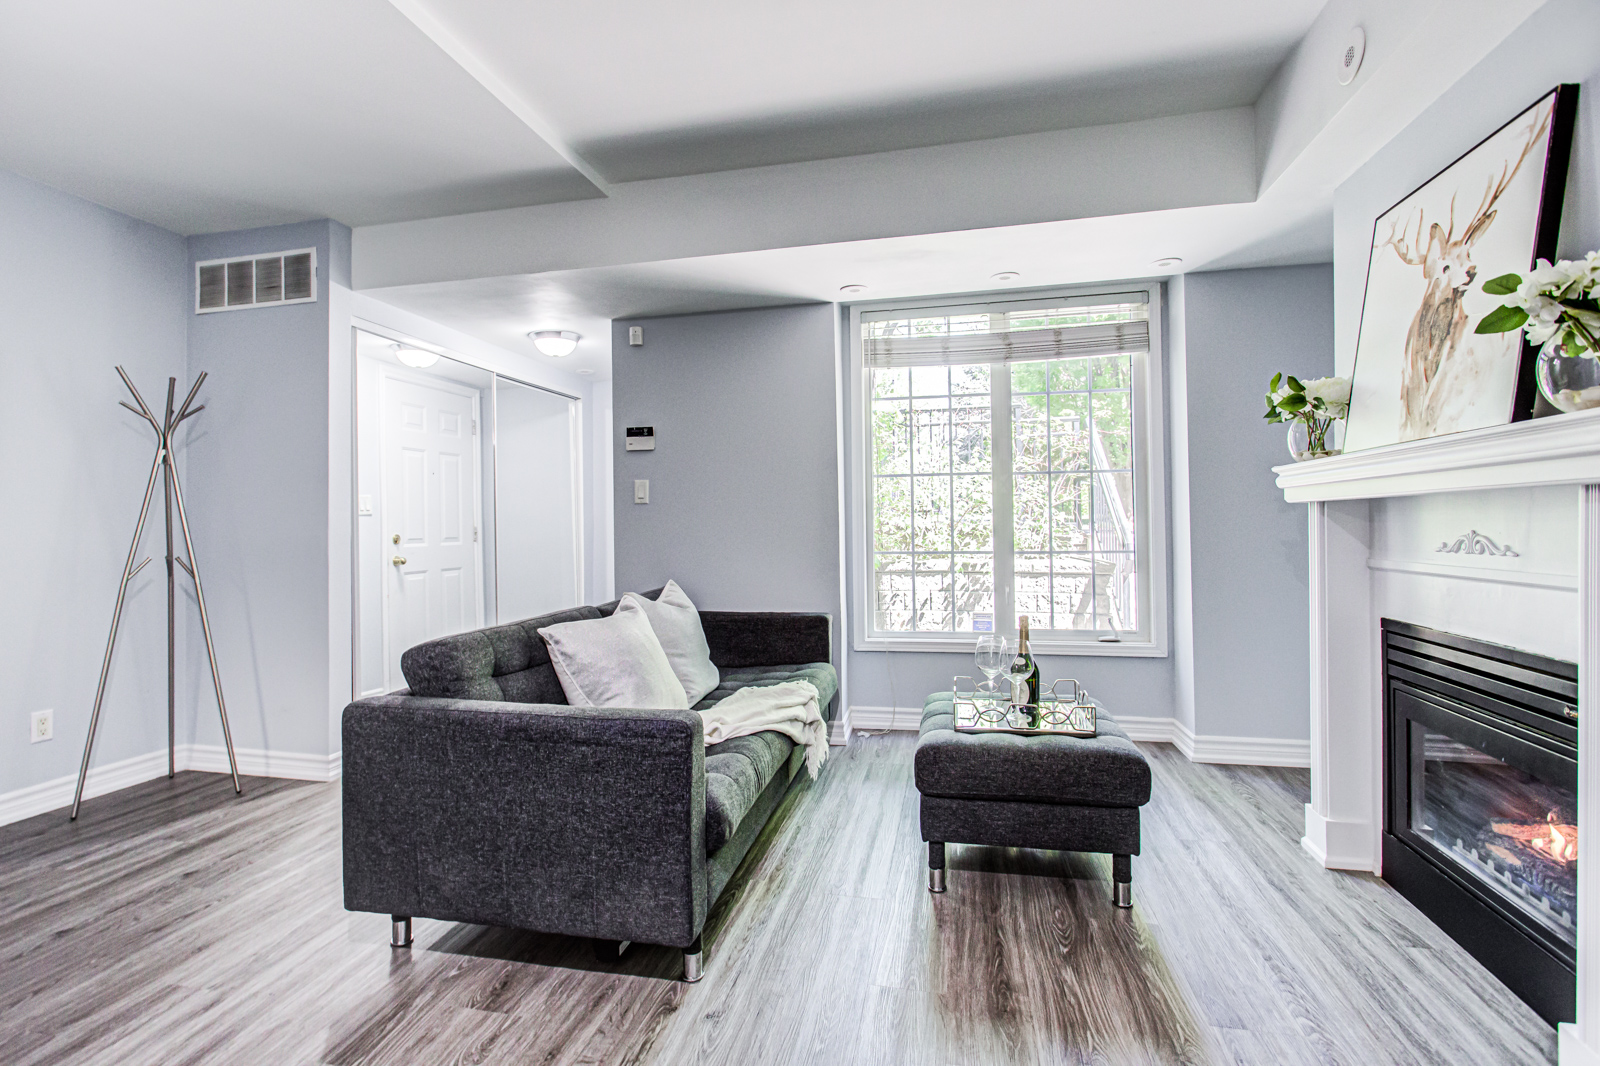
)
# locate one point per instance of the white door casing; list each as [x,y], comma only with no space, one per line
[431,510]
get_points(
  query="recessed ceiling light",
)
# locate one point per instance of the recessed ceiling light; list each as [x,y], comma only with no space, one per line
[1171,262]
[555,342]
[420,358]
[852,288]
[1005,275]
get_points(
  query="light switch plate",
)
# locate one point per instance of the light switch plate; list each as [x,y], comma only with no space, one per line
[641,491]
[365,502]
[636,335]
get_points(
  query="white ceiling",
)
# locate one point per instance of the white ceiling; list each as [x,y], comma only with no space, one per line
[202,116]
[643,89]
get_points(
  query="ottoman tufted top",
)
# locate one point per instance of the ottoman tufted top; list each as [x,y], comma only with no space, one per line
[1103,771]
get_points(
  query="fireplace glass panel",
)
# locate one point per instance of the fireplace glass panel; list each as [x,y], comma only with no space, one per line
[1509,831]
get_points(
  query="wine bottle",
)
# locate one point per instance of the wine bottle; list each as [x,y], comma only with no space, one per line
[1024,663]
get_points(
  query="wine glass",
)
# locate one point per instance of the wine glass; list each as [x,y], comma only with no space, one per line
[992,656]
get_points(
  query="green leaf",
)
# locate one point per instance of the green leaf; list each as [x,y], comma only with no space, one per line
[1502,320]
[1276,379]
[1504,285]
[1294,404]
[1294,384]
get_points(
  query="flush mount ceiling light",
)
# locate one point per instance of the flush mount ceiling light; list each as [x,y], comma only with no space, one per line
[1171,262]
[1355,47]
[1005,275]
[852,288]
[555,342]
[586,371]
[420,358]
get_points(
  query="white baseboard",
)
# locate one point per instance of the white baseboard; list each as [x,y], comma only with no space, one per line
[1238,751]
[873,719]
[208,758]
[256,762]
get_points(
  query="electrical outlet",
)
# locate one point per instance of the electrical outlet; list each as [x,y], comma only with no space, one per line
[41,726]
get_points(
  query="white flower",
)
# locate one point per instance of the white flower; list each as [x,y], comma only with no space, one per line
[1333,392]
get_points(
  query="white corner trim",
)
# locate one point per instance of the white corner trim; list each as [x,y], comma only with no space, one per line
[1570,1048]
[1529,578]
[1234,751]
[56,794]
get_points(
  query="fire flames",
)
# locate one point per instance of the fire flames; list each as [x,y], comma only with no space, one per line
[1553,839]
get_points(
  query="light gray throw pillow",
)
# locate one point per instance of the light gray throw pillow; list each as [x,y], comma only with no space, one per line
[677,626]
[614,662]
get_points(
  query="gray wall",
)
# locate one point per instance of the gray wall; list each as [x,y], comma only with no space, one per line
[81,290]
[259,462]
[743,508]
[1246,547]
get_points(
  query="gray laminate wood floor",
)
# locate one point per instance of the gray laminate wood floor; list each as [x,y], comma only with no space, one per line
[175,924]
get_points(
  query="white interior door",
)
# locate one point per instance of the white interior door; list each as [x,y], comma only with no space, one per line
[431,514]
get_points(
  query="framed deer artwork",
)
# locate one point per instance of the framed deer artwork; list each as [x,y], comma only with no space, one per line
[1420,369]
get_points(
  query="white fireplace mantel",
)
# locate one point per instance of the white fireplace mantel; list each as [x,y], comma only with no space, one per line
[1344,820]
[1544,451]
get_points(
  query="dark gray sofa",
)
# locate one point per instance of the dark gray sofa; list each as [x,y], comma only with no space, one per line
[479,795]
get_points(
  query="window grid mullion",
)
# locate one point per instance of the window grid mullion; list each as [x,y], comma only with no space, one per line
[1001,478]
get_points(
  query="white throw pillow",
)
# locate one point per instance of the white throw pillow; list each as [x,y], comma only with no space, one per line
[677,626]
[614,662]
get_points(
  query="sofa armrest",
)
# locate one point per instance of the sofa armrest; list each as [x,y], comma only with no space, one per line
[576,820]
[767,638]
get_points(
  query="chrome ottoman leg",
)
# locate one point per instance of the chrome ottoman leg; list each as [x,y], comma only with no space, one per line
[1122,880]
[935,866]
[693,968]
[399,931]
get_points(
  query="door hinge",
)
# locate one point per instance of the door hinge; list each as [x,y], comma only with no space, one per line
[474,427]
[474,534]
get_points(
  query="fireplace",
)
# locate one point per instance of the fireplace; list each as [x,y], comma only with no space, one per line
[1481,793]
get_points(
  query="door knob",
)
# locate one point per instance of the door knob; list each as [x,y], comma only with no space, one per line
[399,560]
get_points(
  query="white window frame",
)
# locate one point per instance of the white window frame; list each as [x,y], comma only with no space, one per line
[1150,486]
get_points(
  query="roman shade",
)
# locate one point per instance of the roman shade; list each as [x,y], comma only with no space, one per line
[1108,324]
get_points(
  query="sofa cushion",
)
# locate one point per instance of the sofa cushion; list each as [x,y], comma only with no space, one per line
[1102,771]
[822,675]
[736,772]
[614,662]
[677,626]
[508,662]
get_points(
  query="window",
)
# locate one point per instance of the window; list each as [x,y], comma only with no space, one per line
[1006,469]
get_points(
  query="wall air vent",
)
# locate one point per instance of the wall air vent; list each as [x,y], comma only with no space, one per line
[256,281]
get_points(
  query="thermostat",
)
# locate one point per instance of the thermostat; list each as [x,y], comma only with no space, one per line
[641,439]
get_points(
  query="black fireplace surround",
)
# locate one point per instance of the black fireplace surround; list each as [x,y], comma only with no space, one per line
[1480,796]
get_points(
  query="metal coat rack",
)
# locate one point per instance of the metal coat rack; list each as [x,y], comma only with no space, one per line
[163,465]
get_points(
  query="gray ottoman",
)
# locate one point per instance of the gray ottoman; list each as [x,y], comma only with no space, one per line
[1063,793]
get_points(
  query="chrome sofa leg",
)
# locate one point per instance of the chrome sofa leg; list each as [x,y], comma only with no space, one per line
[693,969]
[935,866]
[399,931]
[1122,880]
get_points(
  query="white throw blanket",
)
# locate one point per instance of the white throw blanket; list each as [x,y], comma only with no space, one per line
[791,708]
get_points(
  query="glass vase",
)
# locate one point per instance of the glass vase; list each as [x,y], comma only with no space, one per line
[1316,438]
[1570,382]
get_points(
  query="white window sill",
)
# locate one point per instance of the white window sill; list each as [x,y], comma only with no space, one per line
[966,645]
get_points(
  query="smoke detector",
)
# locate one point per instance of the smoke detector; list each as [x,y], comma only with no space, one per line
[1171,262]
[1355,47]
[852,288]
[1005,275]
